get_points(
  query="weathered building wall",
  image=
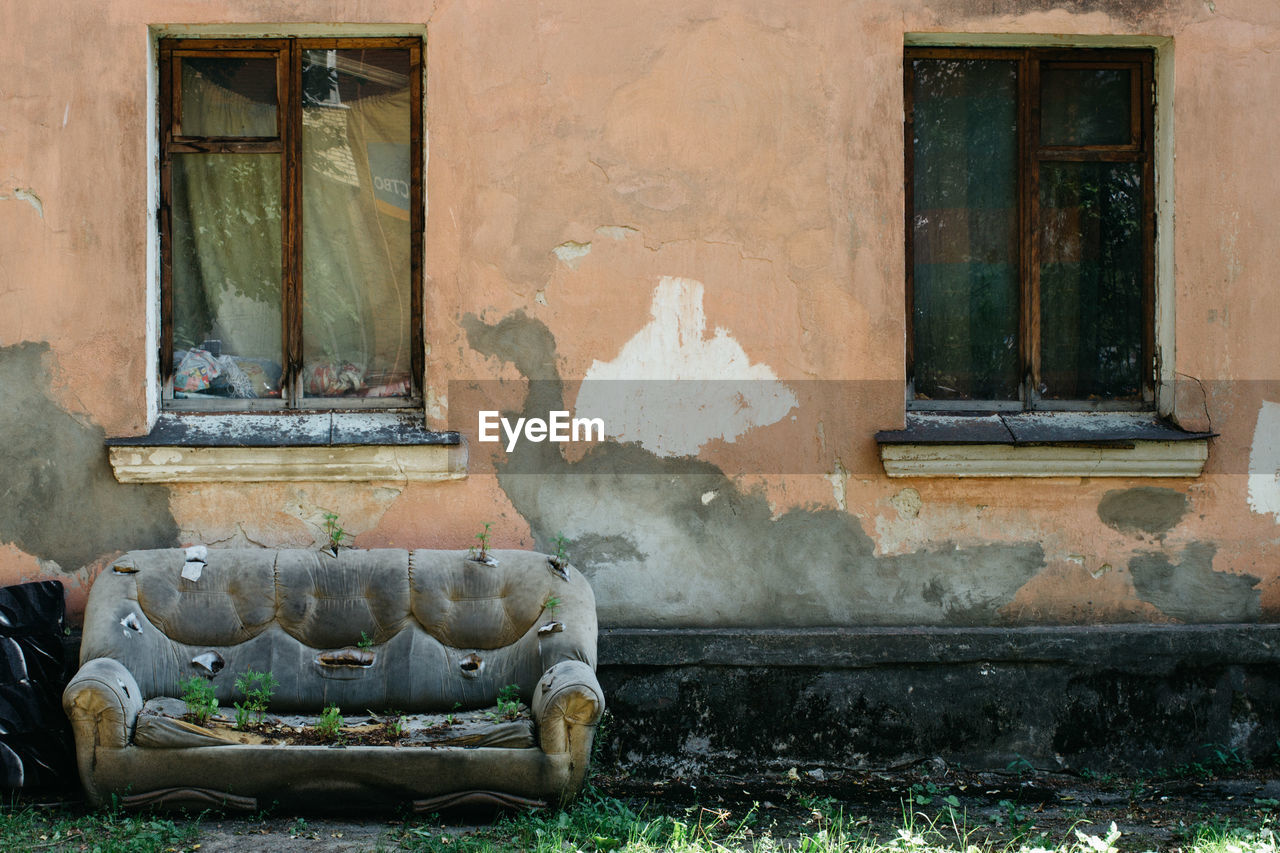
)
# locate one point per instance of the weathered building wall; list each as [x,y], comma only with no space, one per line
[657,190]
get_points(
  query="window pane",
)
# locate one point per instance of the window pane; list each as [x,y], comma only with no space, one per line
[355,214]
[226,274]
[964,231]
[1090,280]
[1084,106]
[228,97]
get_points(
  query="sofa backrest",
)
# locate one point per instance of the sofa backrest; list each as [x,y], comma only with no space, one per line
[445,629]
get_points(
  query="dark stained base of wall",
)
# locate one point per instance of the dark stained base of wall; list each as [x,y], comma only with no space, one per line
[700,702]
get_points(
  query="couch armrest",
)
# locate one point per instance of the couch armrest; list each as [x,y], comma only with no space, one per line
[567,704]
[103,701]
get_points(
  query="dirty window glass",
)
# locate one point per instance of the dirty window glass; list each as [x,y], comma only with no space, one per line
[1090,280]
[291,223]
[965,229]
[1029,253]
[1085,106]
[355,208]
[228,97]
[226,275]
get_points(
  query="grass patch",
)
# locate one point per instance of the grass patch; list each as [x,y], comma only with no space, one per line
[30,828]
[599,824]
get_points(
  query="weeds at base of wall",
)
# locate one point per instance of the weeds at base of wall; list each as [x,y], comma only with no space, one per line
[599,823]
[803,820]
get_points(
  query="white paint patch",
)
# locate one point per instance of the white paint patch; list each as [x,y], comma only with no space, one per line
[571,253]
[839,479]
[164,456]
[673,389]
[708,497]
[1264,462]
[616,232]
[28,196]
[66,114]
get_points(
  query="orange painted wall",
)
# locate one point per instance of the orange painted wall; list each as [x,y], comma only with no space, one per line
[752,149]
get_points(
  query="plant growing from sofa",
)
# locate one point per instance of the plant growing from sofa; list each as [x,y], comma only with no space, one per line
[334,530]
[480,553]
[257,688]
[198,693]
[329,726]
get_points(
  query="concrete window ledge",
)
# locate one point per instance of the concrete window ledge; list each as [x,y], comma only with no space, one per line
[310,447]
[1042,444]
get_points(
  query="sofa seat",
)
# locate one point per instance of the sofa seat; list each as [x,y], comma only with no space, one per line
[163,724]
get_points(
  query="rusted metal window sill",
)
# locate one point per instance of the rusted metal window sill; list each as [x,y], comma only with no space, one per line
[1042,444]
[288,447]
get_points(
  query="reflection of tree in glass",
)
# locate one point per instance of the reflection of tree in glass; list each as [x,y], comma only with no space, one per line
[965,228]
[1091,279]
[226,238]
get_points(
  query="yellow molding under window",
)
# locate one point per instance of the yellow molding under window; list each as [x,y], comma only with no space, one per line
[1138,459]
[334,463]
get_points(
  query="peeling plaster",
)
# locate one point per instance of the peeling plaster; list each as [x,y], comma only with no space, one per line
[571,253]
[839,480]
[617,232]
[1264,462]
[657,554]
[354,519]
[26,195]
[907,502]
[1191,590]
[710,388]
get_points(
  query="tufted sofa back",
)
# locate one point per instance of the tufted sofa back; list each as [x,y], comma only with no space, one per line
[444,629]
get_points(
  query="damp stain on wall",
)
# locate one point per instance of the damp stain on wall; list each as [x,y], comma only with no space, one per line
[58,498]
[659,554]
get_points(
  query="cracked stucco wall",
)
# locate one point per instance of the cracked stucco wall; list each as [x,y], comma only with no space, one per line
[706,188]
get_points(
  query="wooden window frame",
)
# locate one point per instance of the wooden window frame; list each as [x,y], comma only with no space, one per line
[287,54]
[1031,154]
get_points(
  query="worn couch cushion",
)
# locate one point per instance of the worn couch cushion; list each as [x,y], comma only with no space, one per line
[223,608]
[466,604]
[327,602]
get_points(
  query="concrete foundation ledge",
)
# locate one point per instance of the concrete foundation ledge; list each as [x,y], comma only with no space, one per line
[698,702]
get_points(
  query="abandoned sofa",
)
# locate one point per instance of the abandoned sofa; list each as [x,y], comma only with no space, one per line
[372,632]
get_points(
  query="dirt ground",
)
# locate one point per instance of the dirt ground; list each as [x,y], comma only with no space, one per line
[1151,813]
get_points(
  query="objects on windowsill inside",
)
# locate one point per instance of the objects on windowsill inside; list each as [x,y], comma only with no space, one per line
[201,373]
[327,379]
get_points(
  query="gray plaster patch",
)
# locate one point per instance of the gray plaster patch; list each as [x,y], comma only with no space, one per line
[591,551]
[1146,509]
[1191,591]
[59,500]
[658,554]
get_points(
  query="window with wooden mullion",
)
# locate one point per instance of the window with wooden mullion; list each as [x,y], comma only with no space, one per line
[1029,228]
[291,221]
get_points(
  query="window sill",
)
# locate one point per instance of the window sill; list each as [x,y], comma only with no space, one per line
[293,447]
[1042,444]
